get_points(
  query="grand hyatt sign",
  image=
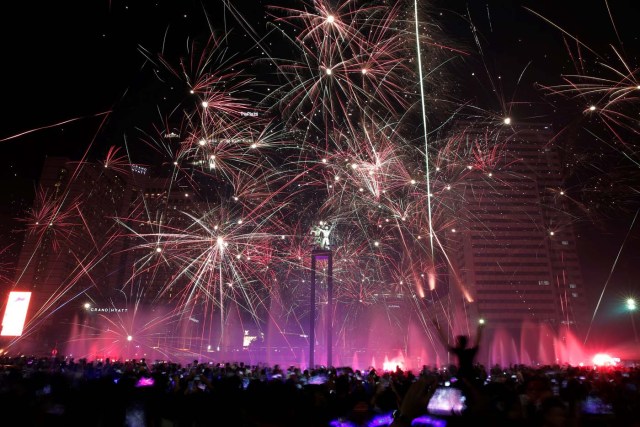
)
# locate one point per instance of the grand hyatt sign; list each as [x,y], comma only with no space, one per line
[107,310]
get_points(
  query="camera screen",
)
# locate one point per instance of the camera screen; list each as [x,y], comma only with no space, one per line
[144,382]
[318,379]
[595,406]
[447,401]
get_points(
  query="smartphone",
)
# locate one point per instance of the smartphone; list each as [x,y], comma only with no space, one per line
[447,401]
[318,379]
[144,382]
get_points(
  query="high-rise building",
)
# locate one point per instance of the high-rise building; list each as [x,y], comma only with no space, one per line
[92,252]
[69,230]
[513,246]
[157,206]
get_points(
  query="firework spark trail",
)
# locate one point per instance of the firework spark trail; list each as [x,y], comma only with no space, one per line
[348,65]
[424,124]
[64,122]
[561,29]
[113,161]
[606,92]
[606,283]
[62,206]
[7,271]
[609,91]
[63,295]
[47,312]
[50,218]
[612,98]
[252,251]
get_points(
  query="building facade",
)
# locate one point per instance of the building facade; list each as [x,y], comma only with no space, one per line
[69,246]
[513,245]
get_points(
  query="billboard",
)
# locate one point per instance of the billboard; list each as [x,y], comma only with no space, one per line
[15,314]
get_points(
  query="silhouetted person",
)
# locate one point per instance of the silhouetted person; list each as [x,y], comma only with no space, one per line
[466,374]
[465,355]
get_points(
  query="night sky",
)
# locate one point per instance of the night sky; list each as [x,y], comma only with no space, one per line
[77,61]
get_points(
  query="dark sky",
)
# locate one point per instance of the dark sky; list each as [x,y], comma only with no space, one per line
[72,61]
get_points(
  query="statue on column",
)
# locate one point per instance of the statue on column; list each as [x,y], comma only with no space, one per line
[322,235]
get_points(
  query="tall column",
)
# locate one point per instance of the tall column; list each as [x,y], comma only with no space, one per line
[312,313]
[321,254]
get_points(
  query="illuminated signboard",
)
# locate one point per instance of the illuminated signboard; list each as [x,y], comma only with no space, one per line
[15,314]
[107,310]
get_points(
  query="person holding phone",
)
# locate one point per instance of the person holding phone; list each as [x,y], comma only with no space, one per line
[414,402]
[466,374]
[465,355]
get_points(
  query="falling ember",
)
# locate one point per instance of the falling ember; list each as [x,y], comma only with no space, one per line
[420,289]
[432,279]
[467,295]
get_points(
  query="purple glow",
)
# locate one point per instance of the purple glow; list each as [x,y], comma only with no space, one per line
[426,420]
[381,420]
[145,382]
[341,423]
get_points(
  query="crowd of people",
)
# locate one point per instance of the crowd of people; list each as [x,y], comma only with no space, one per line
[58,391]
